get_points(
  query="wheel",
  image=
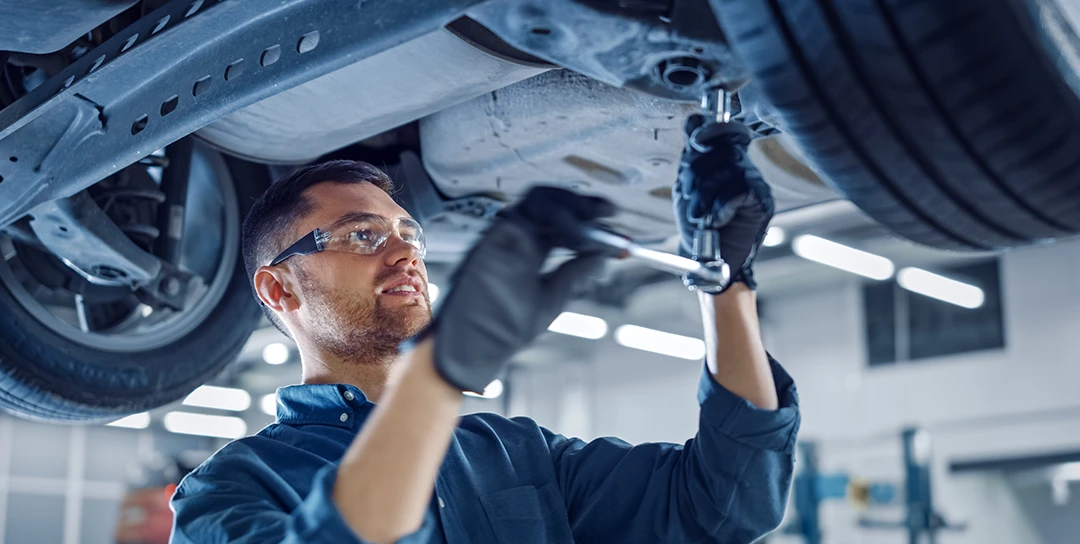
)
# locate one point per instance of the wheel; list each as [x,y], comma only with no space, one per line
[956,123]
[71,350]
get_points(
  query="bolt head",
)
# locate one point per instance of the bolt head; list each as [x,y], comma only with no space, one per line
[170,286]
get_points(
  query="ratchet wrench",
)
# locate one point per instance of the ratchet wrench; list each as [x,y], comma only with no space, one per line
[625,248]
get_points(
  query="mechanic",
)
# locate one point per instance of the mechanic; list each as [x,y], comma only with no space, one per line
[371,448]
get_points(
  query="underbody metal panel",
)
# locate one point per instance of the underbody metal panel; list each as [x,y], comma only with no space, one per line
[565,129]
[363,99]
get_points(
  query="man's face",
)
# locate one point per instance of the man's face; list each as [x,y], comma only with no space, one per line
[348,302]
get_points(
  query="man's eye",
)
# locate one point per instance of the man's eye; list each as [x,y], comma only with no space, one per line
[364,235]
[408,232]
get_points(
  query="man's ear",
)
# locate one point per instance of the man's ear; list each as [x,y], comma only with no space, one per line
[275,289]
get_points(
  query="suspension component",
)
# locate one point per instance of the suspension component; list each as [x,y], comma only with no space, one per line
[89,242]
[174,187]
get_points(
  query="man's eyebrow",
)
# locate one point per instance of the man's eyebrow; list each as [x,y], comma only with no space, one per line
[354,217]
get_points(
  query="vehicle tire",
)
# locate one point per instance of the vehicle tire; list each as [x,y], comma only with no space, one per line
[956,123]
[50,374]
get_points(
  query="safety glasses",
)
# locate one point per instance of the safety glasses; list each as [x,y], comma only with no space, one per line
[361,233]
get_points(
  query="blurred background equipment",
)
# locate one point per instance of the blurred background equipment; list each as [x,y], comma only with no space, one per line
[921,521]
[811,488]
[145,517]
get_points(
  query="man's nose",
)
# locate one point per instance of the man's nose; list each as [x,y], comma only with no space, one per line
[398,252]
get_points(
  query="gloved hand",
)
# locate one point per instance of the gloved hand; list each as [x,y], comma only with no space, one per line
[719,189]
[500,301]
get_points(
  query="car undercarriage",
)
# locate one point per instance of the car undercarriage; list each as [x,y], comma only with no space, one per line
[134,134]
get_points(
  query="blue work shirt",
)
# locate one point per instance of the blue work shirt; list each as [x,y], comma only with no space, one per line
[506,481]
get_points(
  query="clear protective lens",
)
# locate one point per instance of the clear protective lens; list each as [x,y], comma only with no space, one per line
[411,232]
[369,236]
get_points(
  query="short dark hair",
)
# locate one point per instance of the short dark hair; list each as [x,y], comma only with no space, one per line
[283,204]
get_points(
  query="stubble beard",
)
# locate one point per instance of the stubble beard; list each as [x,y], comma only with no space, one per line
[361,331]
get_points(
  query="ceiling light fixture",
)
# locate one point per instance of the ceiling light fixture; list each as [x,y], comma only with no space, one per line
[664,343]
[276,353]
[219,398]
[268,404]
[843,257]
[1068,471]
[140,420]
[944,289]
[774,237]
[205,425]
[491,391]
[580,325]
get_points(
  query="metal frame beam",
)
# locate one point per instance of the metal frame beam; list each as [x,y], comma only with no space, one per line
[161,79]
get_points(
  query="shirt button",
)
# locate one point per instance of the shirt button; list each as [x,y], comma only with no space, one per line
[344,417]
[349,395]
[441,503]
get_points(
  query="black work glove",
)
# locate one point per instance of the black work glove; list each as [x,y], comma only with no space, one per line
[719,189]
[500,301]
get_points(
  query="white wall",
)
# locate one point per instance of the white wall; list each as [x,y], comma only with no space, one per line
[1016,401]
[820,337]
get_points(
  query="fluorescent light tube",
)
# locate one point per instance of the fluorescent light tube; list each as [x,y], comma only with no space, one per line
[1068,471]
[219,398]
[205,425]
[660,342]
[774,237]
[580,325]
[140,420]
[843,257]
[944,289]
[491,391]
[268,404]
[276,353]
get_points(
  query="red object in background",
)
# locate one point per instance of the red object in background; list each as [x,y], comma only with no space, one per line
[145,517]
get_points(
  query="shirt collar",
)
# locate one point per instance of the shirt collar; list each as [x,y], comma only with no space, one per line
[328,404]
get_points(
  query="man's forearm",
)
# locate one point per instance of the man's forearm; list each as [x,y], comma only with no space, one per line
[385,480]
[735,355]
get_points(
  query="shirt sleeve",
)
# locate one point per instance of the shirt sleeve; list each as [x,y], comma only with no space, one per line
[728,484]
[236,499]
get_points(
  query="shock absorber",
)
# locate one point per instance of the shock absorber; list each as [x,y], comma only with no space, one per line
[174,186]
